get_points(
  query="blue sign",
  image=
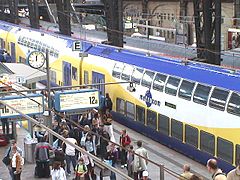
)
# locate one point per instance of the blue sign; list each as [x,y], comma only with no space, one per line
[76,100]
[149,100]
[31,104]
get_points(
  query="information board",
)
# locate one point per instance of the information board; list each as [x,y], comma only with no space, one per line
[76,100]
[30,104]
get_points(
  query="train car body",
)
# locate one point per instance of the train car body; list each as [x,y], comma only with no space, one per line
[191,107]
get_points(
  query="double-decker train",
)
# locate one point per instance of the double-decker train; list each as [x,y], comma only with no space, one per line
[191,107]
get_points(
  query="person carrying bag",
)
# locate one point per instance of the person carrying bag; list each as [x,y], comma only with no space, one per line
[7,160]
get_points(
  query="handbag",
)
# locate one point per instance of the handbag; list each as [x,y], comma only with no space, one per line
[6,160]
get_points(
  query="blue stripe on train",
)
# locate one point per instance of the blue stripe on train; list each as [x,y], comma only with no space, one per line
[172,143]
[215,76]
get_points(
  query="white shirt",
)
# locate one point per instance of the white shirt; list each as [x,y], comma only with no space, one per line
[70,150]
[58,174]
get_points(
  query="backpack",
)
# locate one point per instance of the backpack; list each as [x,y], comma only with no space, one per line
[219,174]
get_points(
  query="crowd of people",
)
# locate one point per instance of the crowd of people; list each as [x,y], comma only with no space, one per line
[93,132]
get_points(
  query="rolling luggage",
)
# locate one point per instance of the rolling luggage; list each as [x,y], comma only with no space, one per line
[42,169]
[3,140]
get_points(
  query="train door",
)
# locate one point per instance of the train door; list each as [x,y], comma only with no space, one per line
[13,52]
[67,74]
[99,78]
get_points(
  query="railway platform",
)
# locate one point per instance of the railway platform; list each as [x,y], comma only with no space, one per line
[158,153]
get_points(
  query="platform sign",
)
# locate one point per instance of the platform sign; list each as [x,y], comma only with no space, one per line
[29,105]
[76,100]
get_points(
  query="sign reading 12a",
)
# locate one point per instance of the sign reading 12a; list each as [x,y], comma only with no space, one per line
[76,100]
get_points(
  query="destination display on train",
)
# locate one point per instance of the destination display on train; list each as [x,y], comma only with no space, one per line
[76,100]
[31,104]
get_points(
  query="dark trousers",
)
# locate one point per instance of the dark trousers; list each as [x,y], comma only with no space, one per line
[123,157]
[138,175]
[70,159]
[5,125]
[16,176]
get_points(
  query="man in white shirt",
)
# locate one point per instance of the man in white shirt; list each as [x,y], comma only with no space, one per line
[70,153]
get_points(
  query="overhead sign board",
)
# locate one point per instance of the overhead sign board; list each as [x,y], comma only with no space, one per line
[30,104]
[76,100]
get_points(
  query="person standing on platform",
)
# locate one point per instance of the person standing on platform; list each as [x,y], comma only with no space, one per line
[108,103]
[17,164]
[140,163]
[42,158]
[58,172]
[235,173]
[217,173]
[186,172]
[70,154]
[5,126]
[124,142]
[10,153]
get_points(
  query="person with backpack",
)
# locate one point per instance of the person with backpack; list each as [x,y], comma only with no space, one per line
[217,173]
[42,158]
[124,142]
[80,170]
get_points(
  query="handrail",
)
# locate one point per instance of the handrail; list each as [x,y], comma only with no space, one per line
[68,142]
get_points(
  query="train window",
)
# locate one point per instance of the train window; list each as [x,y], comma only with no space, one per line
[163,124]
[218,99]
[186,90]
[152,119]
[172,86]
[225,150]
[86,77]
[159,82]
[140,114]
[147,79]
[127,72]
[74,73]
[191,135]
[2,43]
[22,60]
[177,129]
[53,76]
[207,142]
[117,70]
[130,110]
[234,104]
[137,75]
[237,155]
[120,106]
[201,94]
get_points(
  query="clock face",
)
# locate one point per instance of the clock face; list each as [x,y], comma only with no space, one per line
[36,59]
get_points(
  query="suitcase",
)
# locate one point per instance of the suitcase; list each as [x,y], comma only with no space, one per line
[3,140]
[42,170]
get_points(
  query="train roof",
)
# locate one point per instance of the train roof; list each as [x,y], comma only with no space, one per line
[207,74]
[195,71]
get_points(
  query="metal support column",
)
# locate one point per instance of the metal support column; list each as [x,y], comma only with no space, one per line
[33,13]
[207,15]
[64,18]
[13,7]
[49,99]
[114,18]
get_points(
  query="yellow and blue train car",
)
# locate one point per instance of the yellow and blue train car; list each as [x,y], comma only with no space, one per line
[191,107]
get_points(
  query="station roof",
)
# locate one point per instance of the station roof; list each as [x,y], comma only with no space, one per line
[22,70]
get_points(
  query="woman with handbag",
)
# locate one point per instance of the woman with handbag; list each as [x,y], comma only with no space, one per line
[17,164]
